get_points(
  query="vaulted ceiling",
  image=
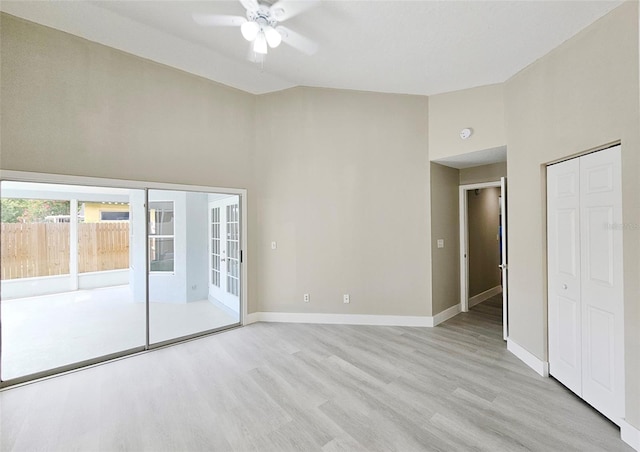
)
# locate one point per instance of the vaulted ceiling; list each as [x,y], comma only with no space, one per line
[412,47]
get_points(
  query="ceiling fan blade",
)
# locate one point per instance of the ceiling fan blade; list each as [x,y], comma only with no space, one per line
[216,20]
[297,41]
[250,5]
[286,9]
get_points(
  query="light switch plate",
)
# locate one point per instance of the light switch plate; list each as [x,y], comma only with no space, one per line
[440,243]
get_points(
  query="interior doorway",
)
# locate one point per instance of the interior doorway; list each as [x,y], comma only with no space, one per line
[483,245]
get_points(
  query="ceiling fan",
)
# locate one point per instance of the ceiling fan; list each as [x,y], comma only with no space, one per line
[261,26]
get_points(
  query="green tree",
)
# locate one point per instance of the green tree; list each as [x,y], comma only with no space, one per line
[15,210]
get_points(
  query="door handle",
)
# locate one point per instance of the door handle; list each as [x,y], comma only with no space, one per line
[502,266]
[222,260]
[564,286]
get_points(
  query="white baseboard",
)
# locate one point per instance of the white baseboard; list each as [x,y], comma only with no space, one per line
[484,295]
[541,367]
[353,319]
[446,315]
[630,434]
[340,319]
[251,318]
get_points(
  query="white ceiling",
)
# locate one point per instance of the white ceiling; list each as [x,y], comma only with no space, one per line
[476,158]
[412,47]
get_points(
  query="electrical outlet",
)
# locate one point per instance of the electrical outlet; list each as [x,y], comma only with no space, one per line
[345,298]
[306,298]
[274,245]
[440,243]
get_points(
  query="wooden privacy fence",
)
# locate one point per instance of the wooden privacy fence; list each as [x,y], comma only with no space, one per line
[103,246]
[30,250]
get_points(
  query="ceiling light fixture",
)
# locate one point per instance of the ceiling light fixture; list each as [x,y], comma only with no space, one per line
[274,38]
[250,30]
[260,30]
[260,43]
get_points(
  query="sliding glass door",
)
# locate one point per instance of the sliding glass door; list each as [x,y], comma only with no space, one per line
[89,273]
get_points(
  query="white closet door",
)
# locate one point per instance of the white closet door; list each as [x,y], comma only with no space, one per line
[602,293]
[563,241]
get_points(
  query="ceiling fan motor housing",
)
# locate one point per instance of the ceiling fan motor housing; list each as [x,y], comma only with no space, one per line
[262,16]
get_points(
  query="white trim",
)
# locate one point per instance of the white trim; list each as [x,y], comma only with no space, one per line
[251,318]
[464,239]
[27,176]
[341,319]
[629,434]
[446,314]
[541,367]
[464,263]
[476,299]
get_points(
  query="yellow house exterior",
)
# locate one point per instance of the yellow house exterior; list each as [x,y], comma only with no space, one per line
[98,212]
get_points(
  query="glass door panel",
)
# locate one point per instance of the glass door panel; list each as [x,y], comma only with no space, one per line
[71,290]
[188,264]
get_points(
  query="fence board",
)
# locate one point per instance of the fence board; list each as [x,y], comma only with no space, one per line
[30,250]
[103,246]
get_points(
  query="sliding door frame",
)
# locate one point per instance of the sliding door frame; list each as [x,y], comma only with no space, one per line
[21,176]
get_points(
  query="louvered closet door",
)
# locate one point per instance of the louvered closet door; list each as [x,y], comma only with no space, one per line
[602,296]
[563,241]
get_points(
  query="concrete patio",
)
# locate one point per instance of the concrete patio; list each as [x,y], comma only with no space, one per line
[49,331]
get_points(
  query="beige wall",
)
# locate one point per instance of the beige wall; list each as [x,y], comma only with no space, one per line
[74,107]
[484,248]
[484,173]
[95,111]
[445,262]
[342,186]
[481,108]
[582,95]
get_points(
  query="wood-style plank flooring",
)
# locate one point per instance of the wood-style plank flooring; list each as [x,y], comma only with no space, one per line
[292,387]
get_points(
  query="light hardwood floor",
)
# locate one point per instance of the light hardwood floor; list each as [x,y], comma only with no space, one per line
[281,387]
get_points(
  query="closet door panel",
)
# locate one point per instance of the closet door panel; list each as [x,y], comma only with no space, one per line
[563,240]
[601,281]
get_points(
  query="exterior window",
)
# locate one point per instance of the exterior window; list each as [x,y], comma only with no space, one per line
[114,216]
[161,236]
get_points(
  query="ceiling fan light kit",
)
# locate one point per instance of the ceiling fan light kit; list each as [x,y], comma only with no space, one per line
[250,30]
[260,43]
[259,29]
[274,38]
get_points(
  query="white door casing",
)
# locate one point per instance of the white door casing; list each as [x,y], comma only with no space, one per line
[503,254]
[224,252]
[586,313]
[464,239]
